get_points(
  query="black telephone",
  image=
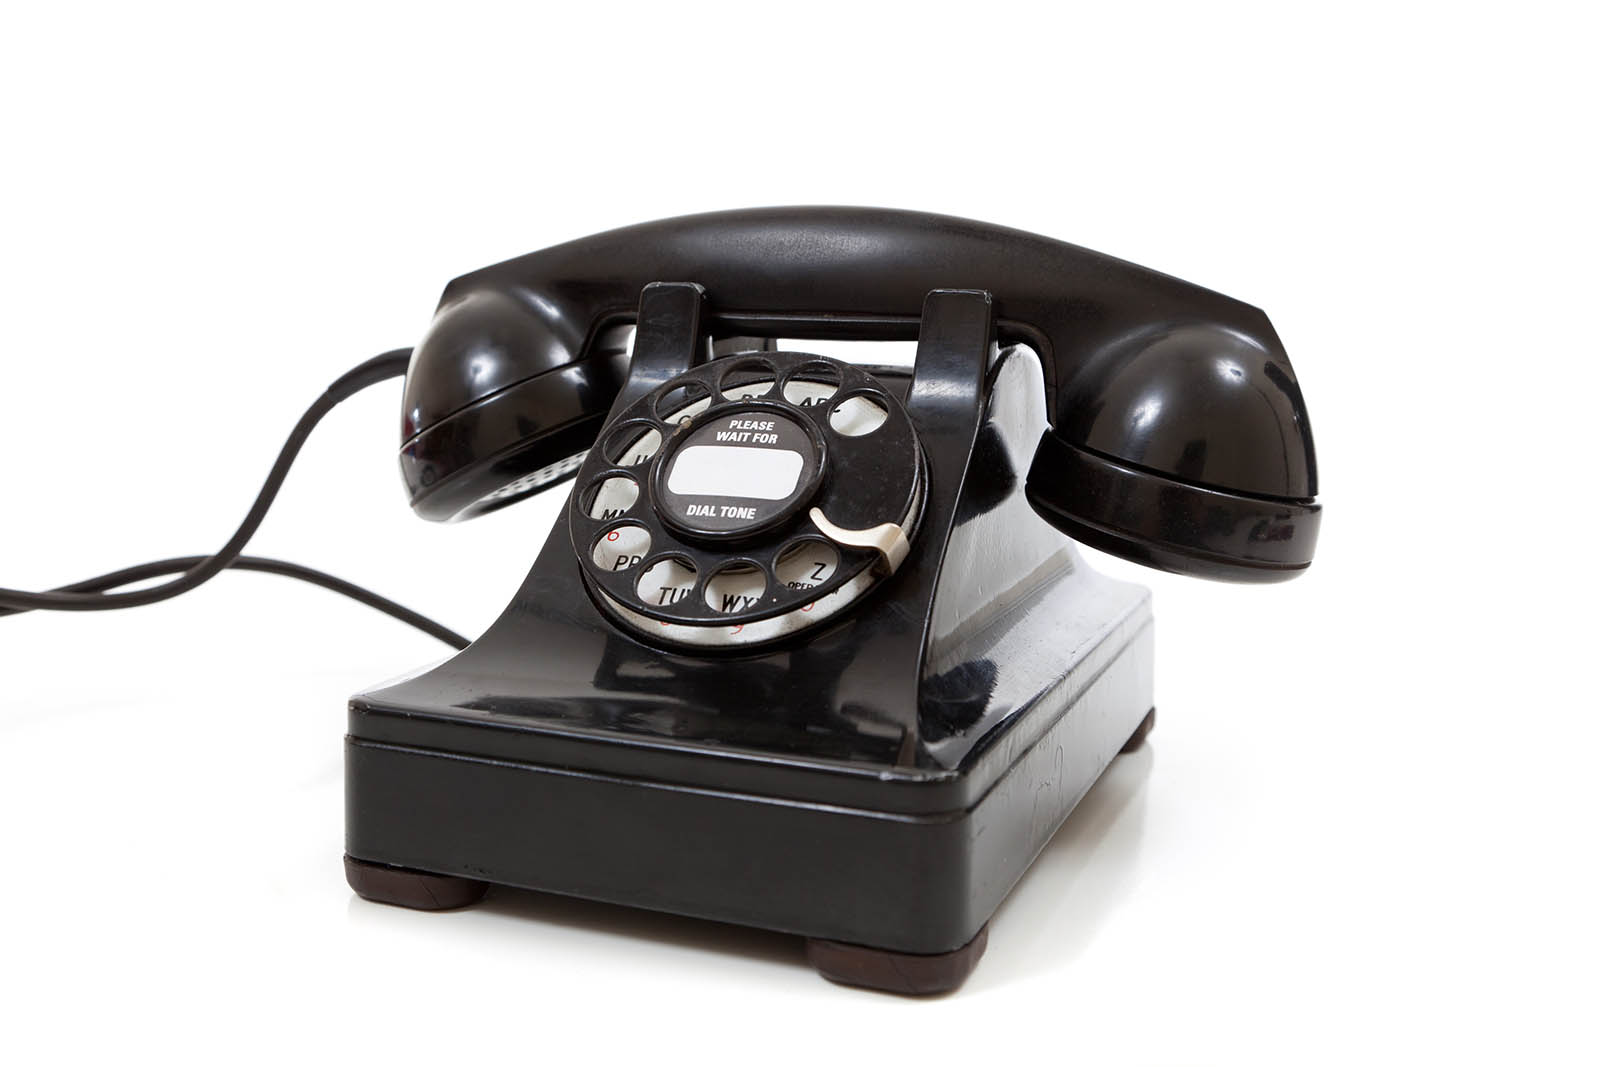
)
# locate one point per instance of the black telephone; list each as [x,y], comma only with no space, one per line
[812,648]
[809,652]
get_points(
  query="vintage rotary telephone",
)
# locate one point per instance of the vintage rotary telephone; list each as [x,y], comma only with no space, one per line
[812,648]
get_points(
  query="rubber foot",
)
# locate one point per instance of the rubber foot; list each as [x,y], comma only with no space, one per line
[896,972]
[411,889]
[1136,741]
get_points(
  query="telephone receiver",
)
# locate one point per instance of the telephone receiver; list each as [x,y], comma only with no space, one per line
[1178,437]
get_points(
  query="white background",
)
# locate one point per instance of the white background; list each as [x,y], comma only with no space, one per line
[1365,828]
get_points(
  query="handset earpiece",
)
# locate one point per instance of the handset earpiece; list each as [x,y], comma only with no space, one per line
[503,397]
[1185,447]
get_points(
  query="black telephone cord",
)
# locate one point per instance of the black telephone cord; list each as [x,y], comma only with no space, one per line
[94,594]
[146,571]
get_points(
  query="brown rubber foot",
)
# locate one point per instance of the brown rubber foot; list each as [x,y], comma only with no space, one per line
[411,889]
[896,972]
[1136,742]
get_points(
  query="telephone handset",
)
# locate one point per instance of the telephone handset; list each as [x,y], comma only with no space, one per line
[1178,435]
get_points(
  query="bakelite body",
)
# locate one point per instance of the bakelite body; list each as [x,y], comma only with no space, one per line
[883,779]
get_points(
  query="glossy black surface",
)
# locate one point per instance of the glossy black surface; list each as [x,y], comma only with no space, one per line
[1154,374]
[1200,403]
[1164,523]
[470,464]
[555,675]
[885,776]
[882,779]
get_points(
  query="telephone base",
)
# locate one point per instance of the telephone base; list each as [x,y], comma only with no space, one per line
[892,876]
[876,784]
[863,966]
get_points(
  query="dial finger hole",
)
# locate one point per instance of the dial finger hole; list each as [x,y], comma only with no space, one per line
[680,404]
[666,581]
[621,547]
[632,443]
[858,416]
[734,588]
[806,564]
[748,379]
[612,497]
[811,385]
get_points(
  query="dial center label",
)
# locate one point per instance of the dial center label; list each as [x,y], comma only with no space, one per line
[738,471]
